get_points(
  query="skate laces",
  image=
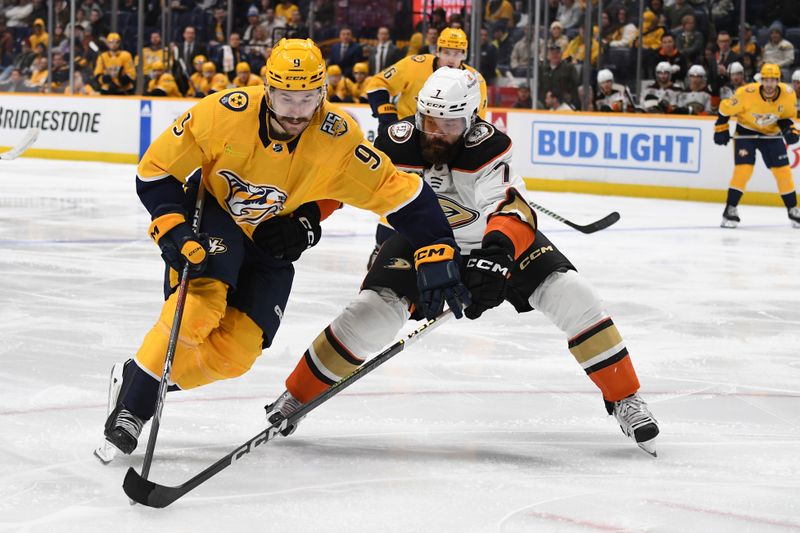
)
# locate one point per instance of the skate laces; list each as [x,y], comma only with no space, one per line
[633,412]
[129,422]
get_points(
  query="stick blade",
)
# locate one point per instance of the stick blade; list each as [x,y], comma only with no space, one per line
[608,220]
[146,492]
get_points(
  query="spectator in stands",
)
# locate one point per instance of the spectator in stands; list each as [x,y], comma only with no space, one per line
[6,44]
[270,23]
[696,98]
[216,29]
[19,15]
[778,50]
[97,25]
[346,52]
[284,10]
[576,49]
[626,33]
[296,29]
[81,88]
[669,53]
[569,14]
[38,35]
[38,73]
[324,16]
[521,54]
[431,36]
[661,96]
[750,64]
[438,20]
[612,97]
[751,47]
[499,11]
[725,55]
[114,70]
[735,77]
[709,63]
[360,77]
[59,74]
[253,22]
[257,47]
[15,82]
[230,55]
[162,83]
[80,21]
[244,77]
[58,39]
[384,53]
[796,86]
[152,53]
[558,76]
[557,36]
[552,102]
[676,12]
[340,88]
[553,11]
[523,97]
[656,8]
[504,45]
[488,57]
[189,49]
[690,41]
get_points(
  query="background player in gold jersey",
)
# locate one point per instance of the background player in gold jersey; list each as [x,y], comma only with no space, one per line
[405,78]
[274,163]
[764,112]
[115,71]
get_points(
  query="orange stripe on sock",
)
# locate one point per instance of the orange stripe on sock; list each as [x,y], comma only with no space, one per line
[616,381]
[303,384]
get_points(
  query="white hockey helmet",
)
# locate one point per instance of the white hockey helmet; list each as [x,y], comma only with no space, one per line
[796,75]
[697,70]
[449,93]
[604,76]
[664,66]
[735,68]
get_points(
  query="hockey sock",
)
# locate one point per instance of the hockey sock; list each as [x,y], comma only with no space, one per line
[789,199]
[139,391]
[734,196]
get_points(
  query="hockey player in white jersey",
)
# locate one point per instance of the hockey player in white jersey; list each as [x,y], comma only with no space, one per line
[468,164]
[661,96]
[736,76]
[612,96]
[696,98]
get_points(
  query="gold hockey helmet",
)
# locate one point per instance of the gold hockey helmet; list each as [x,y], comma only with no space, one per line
[770,70]
[452,38]
[296,65]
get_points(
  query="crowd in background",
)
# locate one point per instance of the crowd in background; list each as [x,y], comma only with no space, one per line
[691,50]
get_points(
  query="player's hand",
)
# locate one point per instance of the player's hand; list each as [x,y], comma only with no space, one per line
[486,276]
[722,137]
[790,134]
[179,243]
[287,237]
[107,79]
[384,121]
[438,279]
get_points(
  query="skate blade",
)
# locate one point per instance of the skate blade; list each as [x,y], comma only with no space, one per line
[649,447]
[106,452]
[729,224]
[795,225]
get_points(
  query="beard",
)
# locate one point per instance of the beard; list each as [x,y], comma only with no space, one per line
[437,151]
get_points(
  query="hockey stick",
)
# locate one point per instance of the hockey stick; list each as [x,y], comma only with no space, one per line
[180,302]
[748,137]
[598,225]
[27,141]
[152,494]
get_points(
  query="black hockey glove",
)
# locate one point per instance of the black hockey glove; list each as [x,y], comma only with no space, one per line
[287,237]
[790,134]
[486,276]
[387,115]
[723,136]
[438,279]
[108,79]
[179,243]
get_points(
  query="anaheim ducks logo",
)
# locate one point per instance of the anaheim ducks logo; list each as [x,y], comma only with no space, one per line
[398,263]
[457,215]
[235,101]
[251,204]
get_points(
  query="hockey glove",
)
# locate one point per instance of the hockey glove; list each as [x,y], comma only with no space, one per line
[790,134]
[179,243]
[287,237]
[722,135]
[486,277]
[438,279]
[387,115]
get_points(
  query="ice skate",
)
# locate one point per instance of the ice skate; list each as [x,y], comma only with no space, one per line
[730,217]
[794,216]
[122,427]
[283,407]
[637,422]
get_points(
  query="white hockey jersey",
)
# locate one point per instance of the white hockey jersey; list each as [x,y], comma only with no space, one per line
[654,97]
[472,187]
[699,101]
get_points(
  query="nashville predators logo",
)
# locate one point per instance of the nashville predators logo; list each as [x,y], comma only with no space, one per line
[743,152]
[765,119]
[398,263]
[457,215]
[235,101]
[216,246]
[251,204]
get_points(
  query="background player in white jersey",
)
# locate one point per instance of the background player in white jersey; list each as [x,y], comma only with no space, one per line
[696,98]
[736,76]
[661,96]
[612,96]
[467,162]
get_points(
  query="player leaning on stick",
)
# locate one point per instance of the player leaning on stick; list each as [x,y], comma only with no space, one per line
[467,162]
[405,78]
[274,162]
[764,111]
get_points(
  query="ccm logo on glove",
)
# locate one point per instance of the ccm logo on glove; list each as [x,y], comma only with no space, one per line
[489,266]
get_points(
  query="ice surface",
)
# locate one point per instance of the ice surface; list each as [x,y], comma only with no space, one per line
[481,426]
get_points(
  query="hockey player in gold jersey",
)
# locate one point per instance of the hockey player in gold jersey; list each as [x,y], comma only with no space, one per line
[275,161]
[114,70]
[162,83]
[244,77]
[405,78]
[764,111]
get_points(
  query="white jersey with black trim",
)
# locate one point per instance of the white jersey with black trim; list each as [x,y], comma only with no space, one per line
[471,186]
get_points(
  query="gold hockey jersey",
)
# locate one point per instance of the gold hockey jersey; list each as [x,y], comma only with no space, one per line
[754,112]
[406,78]
[255,177]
